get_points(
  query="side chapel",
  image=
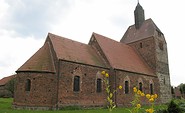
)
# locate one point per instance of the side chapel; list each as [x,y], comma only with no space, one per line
[64,72]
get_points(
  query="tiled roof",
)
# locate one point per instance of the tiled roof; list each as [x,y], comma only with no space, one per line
[74,51]
[146,30]
[41,61]
[5,80]
[122,56]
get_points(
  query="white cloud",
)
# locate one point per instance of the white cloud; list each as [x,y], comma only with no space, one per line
[25,24]
[15,51]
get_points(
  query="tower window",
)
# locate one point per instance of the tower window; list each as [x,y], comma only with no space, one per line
[28,85]
[164,81]
[76,84]
[141,45]
[140,86]
[126,87]
[99,85]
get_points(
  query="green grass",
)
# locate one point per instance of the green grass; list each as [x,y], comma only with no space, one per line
[5,107]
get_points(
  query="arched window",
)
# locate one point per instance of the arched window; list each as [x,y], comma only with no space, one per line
[140,86]
[98,85]
[76,84]
[28,85]
[126,87]
[151,89]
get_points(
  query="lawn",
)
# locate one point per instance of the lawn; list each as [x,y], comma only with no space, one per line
[5,107]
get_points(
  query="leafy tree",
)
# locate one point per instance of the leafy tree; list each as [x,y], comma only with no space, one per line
[182,88]
[10,86]
[172,90]
[174,108]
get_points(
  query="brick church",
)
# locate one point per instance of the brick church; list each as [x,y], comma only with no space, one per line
[64,72]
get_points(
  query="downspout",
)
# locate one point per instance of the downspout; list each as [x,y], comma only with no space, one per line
[58,74]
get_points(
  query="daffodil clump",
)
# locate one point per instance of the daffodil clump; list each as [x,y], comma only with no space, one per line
[111,103]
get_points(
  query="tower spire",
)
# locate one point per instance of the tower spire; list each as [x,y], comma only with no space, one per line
[139,15]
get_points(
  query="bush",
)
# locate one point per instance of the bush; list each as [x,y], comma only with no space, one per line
[174,108]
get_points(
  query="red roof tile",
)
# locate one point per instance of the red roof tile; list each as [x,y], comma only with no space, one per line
[5,80]
[147,29]
[70,50]
[41,61]
[122,56]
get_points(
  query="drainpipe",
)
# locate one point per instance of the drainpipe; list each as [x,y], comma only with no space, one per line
[58,74]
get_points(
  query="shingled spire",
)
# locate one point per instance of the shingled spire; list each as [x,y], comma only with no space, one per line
[139,16]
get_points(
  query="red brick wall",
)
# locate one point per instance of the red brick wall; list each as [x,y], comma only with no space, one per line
[134,79]
[42,92]
[87,96]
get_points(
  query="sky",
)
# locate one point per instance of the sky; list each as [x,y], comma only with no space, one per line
[24,25]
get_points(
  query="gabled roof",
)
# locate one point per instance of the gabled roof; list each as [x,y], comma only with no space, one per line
[5,80]
[74,51]
[146,30]
[122,56]
[41,61]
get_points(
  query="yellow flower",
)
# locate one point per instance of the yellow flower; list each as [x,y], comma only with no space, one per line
[135,89]
[139,92]
[148,96]
[142,94]
[120,87]
[111,95]
[103,72]
[155,95]
[138,106]
[149,110]
[152,96]
[151,100]
[107,75]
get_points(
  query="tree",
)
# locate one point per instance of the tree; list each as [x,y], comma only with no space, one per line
[182,88]
[10,86]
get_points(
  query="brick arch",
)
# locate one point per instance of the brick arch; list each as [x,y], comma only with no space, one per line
[99,82]
[124,85]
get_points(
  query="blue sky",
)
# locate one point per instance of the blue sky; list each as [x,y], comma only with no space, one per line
[24,25]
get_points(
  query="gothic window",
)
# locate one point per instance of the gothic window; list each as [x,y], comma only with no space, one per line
[76,84]
[98,85]
[140,86]
[126,87]
[28,85]
[151,89]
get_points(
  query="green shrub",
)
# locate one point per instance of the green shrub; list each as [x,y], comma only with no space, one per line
[174,107]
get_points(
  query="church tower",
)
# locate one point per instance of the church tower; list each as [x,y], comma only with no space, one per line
[149,42]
